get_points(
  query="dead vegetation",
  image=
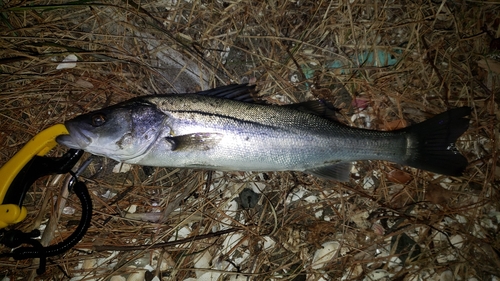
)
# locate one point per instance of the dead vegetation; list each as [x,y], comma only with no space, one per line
[385,64]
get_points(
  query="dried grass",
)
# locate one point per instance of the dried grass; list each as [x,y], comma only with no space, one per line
[124,50]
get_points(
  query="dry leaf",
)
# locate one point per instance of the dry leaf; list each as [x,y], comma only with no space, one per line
[438,195]
[489,65]
[398,176]
[395,124]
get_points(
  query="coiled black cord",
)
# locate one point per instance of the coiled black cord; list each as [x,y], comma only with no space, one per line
[38,251]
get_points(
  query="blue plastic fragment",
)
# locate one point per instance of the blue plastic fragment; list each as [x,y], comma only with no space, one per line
[382,59]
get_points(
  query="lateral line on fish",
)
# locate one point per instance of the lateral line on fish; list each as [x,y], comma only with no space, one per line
[223,116]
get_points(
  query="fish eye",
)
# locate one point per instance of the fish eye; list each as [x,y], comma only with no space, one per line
[98,119]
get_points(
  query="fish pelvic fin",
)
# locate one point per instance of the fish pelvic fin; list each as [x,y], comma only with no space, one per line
[431,144]
[339,172]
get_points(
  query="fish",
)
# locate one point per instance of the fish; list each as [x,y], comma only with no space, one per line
[225,129]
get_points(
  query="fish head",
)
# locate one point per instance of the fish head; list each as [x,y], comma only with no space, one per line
[121,132]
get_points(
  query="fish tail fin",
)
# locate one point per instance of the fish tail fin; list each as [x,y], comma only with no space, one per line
[431,143]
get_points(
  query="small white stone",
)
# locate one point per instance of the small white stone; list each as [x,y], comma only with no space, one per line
[257,187]
[457,241]
[325,254]
[311,199]
[121,168]
[203,260]
[138,275]
[368,183]
[446,276]
[132,209]
[296,195]
[68,62]
[109,194]
[238,278]
[318,214]
[231,240]
[268,243]
[68,210]
[209,276]
[377,274]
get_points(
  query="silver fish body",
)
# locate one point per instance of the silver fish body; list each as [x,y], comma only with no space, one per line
[206,131]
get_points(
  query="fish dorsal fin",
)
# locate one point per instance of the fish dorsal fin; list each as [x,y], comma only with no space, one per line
[246,93]
[315,107]
[339,172]
[238,92]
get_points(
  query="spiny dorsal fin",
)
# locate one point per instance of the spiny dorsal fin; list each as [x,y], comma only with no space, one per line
[315,107]
[245,93]
[238,92]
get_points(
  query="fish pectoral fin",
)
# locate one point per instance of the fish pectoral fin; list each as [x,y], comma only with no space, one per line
[196,141]
[340,171]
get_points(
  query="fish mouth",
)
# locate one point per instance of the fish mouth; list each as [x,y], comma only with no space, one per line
[75,139]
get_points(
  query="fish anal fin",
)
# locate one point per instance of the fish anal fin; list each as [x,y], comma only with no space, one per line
[196,141]
[339,172]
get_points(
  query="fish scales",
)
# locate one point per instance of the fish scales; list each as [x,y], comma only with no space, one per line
[277,138]
[209,130]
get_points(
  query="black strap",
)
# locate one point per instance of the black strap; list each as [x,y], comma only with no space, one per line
[15,238]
